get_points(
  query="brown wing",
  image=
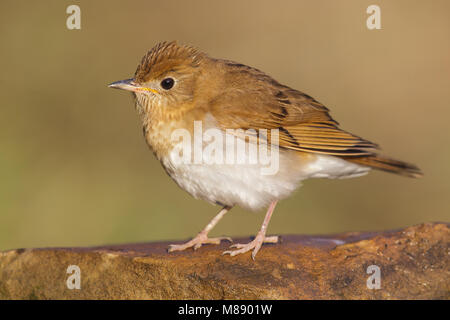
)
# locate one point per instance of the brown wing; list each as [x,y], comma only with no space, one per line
[254,100]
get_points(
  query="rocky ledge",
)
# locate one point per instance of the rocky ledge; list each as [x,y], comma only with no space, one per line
[411,263]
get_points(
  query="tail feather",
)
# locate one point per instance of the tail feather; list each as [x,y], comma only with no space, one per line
[390,165]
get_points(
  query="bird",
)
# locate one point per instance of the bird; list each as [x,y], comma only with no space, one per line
[179,89]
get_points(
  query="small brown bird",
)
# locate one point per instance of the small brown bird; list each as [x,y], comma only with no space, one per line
[222,111]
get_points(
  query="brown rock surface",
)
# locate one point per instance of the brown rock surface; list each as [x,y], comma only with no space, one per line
[414,264]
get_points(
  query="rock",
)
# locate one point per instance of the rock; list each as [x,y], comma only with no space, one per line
[413,264]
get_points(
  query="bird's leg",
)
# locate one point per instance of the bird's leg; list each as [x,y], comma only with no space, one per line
[202,236]
[259,239]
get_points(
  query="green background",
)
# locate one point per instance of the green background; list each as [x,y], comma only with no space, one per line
[74,167]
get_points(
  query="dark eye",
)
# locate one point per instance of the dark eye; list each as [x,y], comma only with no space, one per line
[167,83]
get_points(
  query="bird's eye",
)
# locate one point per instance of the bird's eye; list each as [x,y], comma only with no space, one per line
[167,83]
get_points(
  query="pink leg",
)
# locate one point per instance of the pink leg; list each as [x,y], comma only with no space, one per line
[202,237]
[259,239]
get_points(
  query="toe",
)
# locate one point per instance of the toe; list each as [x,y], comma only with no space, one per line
[238,245]
[197,242]
[255,250]
[227,252]
[180,247]
[272,239]
[173,247]
[233,253]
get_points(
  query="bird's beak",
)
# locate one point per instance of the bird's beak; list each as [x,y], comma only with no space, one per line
[130,85]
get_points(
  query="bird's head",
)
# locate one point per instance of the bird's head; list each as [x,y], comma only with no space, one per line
[166,76]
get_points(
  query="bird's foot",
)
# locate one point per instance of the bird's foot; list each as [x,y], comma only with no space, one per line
[255,245]
[197,242]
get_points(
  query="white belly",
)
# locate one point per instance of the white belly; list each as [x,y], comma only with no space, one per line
[245,186]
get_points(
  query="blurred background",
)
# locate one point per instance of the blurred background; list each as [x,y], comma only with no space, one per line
[74,167]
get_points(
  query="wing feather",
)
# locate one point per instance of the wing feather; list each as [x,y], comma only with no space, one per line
[304,123]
